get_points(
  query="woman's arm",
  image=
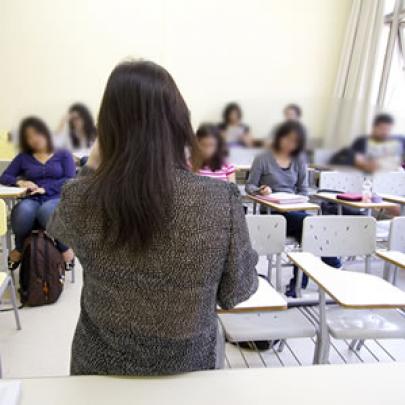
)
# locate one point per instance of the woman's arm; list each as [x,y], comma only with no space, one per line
[239,280]
[13,171]
[253,182]
[302,183]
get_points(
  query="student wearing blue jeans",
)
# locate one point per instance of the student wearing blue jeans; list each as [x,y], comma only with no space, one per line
[282,168]
[42,171]
[29,214]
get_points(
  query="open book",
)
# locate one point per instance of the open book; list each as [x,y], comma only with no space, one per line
[285,198]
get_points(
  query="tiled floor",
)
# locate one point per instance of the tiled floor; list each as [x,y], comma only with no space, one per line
[42,348]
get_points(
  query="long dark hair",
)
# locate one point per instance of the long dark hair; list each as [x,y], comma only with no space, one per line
[217,160]
[230,108]
[287,128]
[40,127]
[143,130]
[89,127]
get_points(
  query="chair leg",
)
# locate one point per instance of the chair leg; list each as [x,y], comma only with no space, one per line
[220,349]
[353,345]
[324,341]
[73,275]
[359,345]
[269,267]
[368,264]
[386,274]
[278,272]
[14,304]
[281,346]
[394,276]
[298,284]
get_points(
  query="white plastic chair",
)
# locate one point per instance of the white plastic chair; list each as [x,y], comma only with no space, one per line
[268,236]
[267,233]
[348,182]
[396,248]
[351,236]
[389,183]
[331,235]
[6,281]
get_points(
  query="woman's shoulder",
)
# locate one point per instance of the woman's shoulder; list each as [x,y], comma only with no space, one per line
[63,153]
[202,185]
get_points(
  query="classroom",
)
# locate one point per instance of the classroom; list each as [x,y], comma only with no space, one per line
[202,202]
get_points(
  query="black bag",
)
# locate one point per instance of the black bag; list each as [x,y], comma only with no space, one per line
[42,270]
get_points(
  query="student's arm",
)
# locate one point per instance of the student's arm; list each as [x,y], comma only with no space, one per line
[302,184]
[69,171]
[13,171]
[253,185]
[360,160]
[230,173]
[239,279]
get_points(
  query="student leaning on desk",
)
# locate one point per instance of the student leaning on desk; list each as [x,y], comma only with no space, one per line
[159,245]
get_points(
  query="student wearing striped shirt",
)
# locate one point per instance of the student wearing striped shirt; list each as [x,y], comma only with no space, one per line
[211,158]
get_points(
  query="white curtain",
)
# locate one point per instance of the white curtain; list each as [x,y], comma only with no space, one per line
[351,105]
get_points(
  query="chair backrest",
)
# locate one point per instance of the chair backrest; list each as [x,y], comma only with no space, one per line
[396,239]
[243,156]
[343,235]
[323,156]
[389,183]
[348,182]
[267,233]
[3,218]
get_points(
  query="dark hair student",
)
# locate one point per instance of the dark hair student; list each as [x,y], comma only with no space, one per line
[287,128]
[144,227]
[231,108]
[81,125]
[217,160]
[40,128]
[383,118]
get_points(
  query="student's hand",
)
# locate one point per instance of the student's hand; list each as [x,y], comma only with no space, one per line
[26,184]
[264,190]
[95,158]
[38,190]
[365,164]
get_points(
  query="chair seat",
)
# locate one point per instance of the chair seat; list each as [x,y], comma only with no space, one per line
[266,326]
[365,324]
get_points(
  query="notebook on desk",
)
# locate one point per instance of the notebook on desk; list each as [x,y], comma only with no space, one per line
[285,198]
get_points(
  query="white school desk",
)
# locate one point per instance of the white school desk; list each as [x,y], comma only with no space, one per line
[392,256]
[266,298]
[331,197]
[349,289]
[395,199]
[284,207]
[357,384]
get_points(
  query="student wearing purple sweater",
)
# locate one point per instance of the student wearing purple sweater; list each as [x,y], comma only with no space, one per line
[43,171]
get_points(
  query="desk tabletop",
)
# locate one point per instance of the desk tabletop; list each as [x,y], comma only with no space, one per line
[371,384]
[392,256]
[350,289]
[266,298]
[11,192]
[393,198]
[354,204]
[285,207]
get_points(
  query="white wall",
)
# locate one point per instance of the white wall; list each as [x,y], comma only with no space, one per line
[262,53]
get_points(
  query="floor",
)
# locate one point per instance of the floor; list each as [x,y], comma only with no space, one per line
[42,347]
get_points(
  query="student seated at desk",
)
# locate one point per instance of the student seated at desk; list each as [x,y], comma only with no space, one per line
[210,158]
[43,171]
[283,168]
[77,130]
[159,246]
[234,131]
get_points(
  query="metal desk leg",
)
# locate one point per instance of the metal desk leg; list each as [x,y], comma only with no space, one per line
[324,343]
[340,209]
[254,207]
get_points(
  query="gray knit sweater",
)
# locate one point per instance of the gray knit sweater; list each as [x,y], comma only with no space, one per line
[153,312]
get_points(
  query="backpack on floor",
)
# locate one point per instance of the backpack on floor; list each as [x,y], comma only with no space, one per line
[42,271]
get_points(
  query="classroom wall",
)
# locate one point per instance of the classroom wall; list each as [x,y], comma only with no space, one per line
[261,53]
